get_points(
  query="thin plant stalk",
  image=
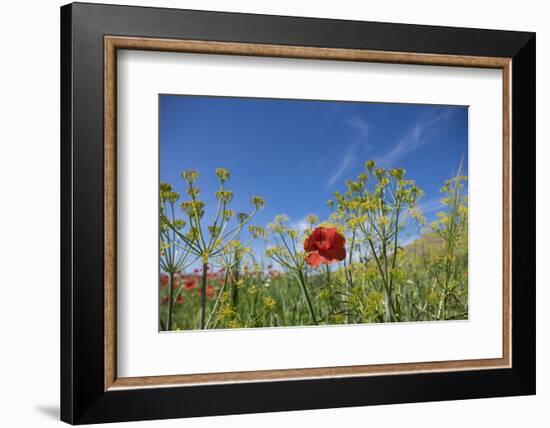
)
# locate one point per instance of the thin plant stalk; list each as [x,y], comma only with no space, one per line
[203,295]
[302,282]
[215,308]
[331,295]
[236,278]
[170,302]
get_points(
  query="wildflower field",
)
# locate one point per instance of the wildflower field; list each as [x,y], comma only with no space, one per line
[355,266]
[292,212]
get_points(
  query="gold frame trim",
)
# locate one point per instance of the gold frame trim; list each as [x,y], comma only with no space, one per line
[113,43]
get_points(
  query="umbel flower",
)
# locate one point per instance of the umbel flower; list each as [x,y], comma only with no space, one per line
[324,246]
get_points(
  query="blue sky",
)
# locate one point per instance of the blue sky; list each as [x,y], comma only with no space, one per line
[296,153]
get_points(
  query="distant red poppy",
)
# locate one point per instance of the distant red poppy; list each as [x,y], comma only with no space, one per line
[189,284]
[164,280]
[325,246]
[164,300]
[210,291]
[179,300]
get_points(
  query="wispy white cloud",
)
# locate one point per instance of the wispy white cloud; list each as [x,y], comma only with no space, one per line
[360,141]
[430,205]
[299,225]
[360,125]
[417,136]
[344,164]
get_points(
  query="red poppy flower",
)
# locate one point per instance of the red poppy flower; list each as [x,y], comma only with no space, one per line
[210,291]
[164,280]
[179,300]
[325,246]
[189,284]
[164,300]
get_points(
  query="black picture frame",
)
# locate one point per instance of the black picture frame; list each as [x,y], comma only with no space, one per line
[83,398]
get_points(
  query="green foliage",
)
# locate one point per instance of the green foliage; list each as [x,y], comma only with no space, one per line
[373,209]
[205,242]
[381,279]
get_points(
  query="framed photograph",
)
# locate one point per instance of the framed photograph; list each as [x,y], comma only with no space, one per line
[266,213]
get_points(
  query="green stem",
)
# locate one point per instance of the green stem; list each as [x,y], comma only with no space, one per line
[306,294]
[215,308]
[331,298]
[236,278]
[170,302]
[388,306]
[203,294]
[349,276]
[387,291]
[394,255]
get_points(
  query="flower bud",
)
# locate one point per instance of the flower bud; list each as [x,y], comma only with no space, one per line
[370,164]
[258,202]
[225,196]
[190,175]
[223,174]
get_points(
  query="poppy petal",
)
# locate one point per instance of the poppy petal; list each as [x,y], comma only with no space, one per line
[338,241]
[340,253]
[309,244]
[333,254]
[314,259]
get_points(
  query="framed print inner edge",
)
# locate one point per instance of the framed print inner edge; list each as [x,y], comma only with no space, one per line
[113,43]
